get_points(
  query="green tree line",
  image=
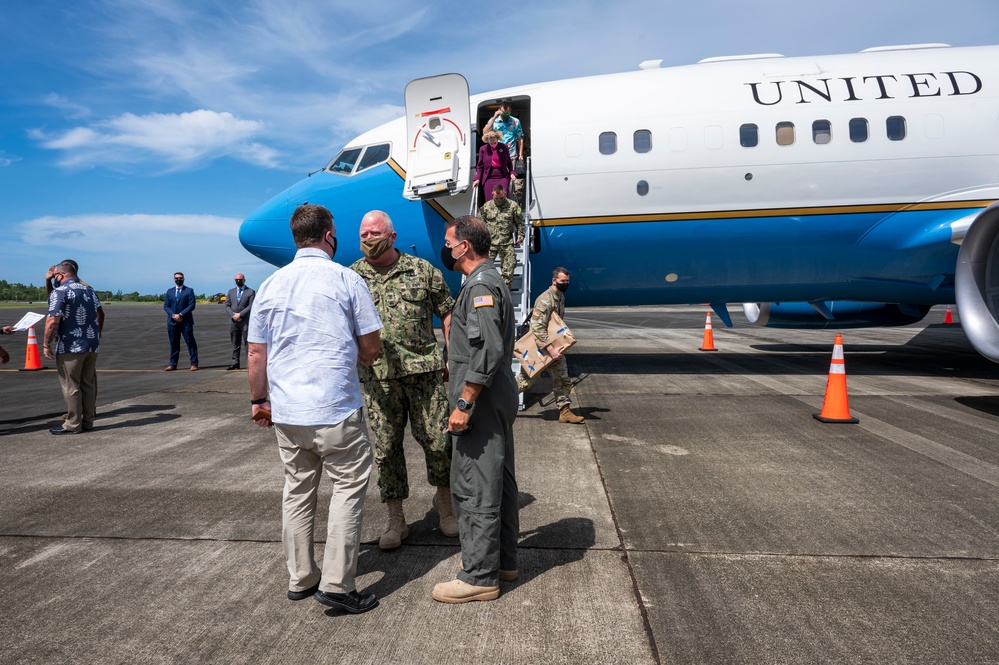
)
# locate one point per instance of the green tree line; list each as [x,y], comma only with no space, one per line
[31,293]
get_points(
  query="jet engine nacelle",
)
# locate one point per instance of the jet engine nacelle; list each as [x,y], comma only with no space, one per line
[976,283]
[839,314]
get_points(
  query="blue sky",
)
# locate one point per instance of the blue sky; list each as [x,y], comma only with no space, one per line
[135,135]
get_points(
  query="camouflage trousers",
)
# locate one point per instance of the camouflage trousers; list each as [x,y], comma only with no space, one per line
[422,398]
[559,372]
[519,185]
[508,259]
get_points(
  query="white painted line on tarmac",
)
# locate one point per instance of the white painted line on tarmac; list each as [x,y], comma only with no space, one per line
[955,459]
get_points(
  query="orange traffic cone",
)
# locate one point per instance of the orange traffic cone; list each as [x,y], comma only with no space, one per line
[836,407]
[32,359]
[709,338]
[948,317]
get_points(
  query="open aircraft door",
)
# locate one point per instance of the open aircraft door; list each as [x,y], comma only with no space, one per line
[437,132]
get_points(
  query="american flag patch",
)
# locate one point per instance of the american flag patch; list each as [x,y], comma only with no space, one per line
[482,301]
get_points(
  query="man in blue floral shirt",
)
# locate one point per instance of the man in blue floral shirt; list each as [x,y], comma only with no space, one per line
[72,339]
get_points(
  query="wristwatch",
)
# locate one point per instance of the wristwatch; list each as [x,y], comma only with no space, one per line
[463,405]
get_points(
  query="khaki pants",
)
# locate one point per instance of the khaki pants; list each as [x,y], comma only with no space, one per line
[344,451]
[78,378]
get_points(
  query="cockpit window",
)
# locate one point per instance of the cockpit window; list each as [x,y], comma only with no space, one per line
[350,160]
[374,155]
[345,161]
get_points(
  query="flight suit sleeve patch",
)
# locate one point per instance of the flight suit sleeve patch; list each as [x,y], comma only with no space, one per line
[482,301]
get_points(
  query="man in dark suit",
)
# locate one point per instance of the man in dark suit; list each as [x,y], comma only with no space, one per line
[179,305]
[237,305]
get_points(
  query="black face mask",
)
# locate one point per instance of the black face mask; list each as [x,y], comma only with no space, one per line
[561,287]
[332,246]
[239,282]
[446,258]
[178,282]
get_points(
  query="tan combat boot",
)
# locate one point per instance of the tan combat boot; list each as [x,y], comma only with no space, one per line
[445,509]
[457,591]
[567,416]
[397,530]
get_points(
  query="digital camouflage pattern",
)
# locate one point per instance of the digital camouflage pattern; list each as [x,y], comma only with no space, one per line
[407,299]
[561,383]
[549,302]
[504,220]
[423,398]
[406,380]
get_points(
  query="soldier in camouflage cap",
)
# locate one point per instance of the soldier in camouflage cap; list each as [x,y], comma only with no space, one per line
[504,219]
[552,301]
[407,379]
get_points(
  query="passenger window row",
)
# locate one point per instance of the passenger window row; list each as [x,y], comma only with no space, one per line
[859,130]
[784,134]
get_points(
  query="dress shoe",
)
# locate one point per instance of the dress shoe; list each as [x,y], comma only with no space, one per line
[232,366]
[302,595]
[352,602]
[194,368]
[169,368]
[457,591]
[63,430]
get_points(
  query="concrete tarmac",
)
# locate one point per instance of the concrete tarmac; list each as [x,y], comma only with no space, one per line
[701,515]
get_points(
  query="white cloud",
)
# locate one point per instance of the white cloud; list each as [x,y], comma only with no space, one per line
[72,109]
[181,140]
[7,160]
[121,233]
[140,251]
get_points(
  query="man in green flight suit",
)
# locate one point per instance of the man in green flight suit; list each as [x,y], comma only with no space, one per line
[549,302]
[483,396]
[408,376]
[504,219]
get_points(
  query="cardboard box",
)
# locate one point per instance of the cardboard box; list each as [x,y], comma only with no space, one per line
[531,359]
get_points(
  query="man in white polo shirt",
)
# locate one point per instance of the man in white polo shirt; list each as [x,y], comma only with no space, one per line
[312,322]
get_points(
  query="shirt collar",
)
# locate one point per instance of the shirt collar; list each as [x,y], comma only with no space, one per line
[311,252]
[485,265]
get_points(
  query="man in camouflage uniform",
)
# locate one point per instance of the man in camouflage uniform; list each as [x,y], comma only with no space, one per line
[552,301]
[407,379]
[504,219]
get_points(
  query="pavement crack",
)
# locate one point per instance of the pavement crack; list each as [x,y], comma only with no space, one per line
[622,547]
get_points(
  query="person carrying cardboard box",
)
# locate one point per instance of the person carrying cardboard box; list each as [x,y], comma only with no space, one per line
[552,301]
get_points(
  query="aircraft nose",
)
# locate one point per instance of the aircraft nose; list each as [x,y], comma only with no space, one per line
[266,234]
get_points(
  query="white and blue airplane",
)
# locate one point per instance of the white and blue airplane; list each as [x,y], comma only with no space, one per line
[829,191]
